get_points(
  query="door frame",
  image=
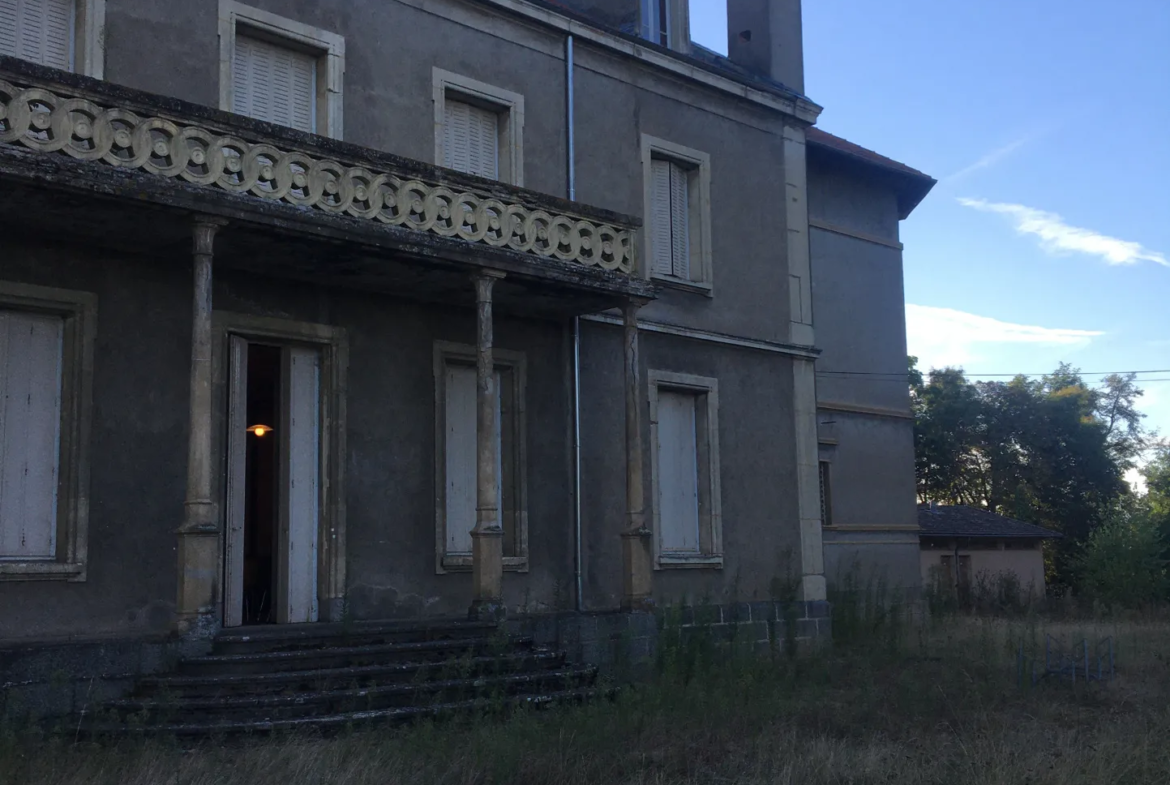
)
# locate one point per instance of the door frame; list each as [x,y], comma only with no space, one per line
[331,342]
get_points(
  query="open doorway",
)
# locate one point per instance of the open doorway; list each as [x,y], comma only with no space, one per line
[273,483]
[261,502]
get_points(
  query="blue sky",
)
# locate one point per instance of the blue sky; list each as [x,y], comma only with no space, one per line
[1047,125]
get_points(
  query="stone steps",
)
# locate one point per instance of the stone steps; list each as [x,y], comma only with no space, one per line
[336,656]
[351,719]
[259,680]
[328,702]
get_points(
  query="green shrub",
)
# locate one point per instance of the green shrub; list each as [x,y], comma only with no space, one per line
[1122,564]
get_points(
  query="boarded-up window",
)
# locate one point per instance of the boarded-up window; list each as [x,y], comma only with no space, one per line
[460,444]
[274,83]
[471,138]
[38,30]
[685,469]
[670,219]
[678,472]
[30,430]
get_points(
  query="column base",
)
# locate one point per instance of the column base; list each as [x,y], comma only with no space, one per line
[637,561]
[487,610]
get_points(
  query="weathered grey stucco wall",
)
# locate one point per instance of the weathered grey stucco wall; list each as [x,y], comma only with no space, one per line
[391,49]
[139,444]
[138,441]
[859,309]
[757,462]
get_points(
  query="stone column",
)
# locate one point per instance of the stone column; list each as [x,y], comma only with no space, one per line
[487,538]
[637,564]
[804,391]
[198,535]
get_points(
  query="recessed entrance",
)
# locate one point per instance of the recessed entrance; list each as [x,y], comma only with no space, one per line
[273,483]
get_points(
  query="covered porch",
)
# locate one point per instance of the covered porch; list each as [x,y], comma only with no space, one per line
[129,171]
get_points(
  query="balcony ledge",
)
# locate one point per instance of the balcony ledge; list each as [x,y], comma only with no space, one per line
[73,133]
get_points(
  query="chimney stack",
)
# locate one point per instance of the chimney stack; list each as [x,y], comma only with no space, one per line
[765,36]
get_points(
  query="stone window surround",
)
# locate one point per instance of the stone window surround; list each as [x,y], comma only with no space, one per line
[514,362]
[710,520]
[508,104]
[79,311]
[699,164]
[332,342]
[328,46]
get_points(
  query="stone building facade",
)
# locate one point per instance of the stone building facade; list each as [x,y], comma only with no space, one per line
[367,310]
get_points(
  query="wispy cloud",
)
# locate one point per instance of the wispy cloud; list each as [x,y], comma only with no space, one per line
[941,337]
[994,157]
[1056,236]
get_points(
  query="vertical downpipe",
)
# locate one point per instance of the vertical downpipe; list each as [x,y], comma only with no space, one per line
[572,177]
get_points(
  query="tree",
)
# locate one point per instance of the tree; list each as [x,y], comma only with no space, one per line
[1117,409]
[1051,451]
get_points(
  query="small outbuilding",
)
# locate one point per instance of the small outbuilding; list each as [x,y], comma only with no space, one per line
[959,543]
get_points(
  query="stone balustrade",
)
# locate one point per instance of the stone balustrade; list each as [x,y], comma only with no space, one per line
[48,121]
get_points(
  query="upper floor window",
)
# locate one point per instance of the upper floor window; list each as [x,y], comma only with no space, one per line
[279,70]
[666,23]
[677,213]
[274,83]
[63,34]
[479,128]
[471,139]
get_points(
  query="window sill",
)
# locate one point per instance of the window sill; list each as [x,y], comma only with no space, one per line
[672,561]
[41,571]
[695,287]
[462,563]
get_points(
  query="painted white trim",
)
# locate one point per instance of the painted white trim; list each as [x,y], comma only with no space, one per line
[707,336]
[509,104]
[798,107]
[329,48]
[844,231]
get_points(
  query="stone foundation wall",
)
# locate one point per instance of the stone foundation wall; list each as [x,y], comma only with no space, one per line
[39,680]
[614,639]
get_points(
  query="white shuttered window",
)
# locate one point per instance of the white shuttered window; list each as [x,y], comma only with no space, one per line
[38,30]
[670,219]
[678,472]
[274,83]
[30,430]
[471,139]
[460,443]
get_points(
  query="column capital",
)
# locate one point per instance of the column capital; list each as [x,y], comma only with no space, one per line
[488,274]
[204,228]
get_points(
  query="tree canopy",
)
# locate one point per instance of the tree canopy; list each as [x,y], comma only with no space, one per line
[1051,451]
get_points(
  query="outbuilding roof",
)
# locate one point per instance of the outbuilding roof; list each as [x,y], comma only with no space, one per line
[959,520]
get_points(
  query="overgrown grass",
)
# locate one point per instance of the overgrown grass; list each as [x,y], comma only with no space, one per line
[900,698]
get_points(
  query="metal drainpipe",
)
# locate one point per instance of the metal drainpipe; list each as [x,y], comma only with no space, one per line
[572,174]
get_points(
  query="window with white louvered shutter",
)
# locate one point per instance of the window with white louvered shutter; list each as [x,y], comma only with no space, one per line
[38,30]
[30,430]
[460,443]
[670,219]
[274,83]
[471,138]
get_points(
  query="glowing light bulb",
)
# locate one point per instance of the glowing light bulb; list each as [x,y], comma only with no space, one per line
[259,430]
